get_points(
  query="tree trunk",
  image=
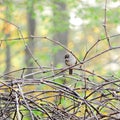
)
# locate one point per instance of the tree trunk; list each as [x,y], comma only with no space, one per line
[7,57]
[61,23]
[6,31]
[31,43]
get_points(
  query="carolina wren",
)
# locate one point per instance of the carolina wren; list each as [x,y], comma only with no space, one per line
[69,61]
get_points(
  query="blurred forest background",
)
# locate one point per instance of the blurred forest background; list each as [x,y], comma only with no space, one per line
[36,34]
[76,24]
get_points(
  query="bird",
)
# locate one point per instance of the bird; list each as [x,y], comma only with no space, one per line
[70,60]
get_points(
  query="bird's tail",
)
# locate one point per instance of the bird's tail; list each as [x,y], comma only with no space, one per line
[70,71]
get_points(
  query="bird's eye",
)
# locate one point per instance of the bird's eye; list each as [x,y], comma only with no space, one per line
[66,56]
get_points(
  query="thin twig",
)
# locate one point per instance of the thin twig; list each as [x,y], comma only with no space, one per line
[17,107]
[21,92]
[105,24]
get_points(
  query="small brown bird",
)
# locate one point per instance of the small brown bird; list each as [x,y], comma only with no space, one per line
[69,61]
